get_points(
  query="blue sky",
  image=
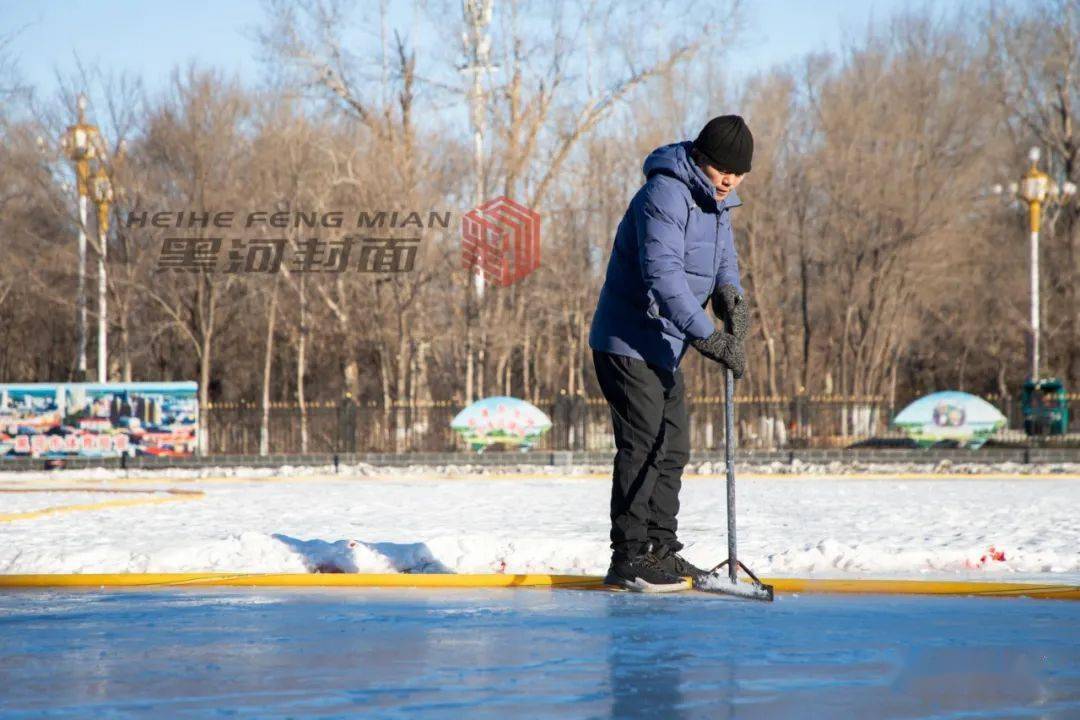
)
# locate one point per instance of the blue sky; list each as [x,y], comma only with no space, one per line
[148,39]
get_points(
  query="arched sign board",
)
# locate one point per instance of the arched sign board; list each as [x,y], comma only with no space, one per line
[964,418]
[500,420]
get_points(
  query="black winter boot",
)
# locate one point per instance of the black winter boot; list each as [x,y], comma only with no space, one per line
[641,574]
[668,559]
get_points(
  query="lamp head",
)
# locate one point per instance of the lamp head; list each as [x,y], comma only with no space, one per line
[1034,154]
[1035,188]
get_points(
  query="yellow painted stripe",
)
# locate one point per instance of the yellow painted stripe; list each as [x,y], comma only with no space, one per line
[924,587]
[144,479]
[91,489]
[147,479]
[781,585]
[174,496]
[298,580]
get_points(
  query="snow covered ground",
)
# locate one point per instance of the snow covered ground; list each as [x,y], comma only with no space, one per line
[1007,524]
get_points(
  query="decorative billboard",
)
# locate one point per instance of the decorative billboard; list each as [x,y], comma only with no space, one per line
[957,416]
[98,419]
[505,420]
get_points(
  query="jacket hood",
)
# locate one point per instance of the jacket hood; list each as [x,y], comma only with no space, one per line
[674,160]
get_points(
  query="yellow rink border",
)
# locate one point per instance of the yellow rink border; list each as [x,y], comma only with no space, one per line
[174,496]
[924,587]
[297,580]
[781,585]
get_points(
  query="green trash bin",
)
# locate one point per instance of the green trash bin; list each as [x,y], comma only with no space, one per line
[1045,407]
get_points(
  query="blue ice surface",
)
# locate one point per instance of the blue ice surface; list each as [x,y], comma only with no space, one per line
[531,653]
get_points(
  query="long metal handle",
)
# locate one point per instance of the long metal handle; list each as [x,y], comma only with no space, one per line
[729,458]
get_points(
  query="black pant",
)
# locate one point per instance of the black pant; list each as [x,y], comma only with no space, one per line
[652,440]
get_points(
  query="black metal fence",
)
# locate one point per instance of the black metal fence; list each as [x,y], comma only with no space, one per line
[578,423]
[925,458]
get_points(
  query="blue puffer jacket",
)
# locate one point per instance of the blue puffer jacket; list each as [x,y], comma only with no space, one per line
[673,247]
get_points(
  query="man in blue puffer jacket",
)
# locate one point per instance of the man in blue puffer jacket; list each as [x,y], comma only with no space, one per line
[673,252]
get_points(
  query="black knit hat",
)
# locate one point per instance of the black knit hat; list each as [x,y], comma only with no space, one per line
[727,143]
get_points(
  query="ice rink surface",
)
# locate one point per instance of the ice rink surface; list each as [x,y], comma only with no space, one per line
[531,653]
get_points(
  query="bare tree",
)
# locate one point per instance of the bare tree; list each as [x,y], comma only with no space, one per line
[1035,55]
[195,144]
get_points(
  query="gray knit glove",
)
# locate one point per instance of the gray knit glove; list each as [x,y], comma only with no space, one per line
[725,349]
[731,307]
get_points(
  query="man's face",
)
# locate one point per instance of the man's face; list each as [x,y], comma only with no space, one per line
[723,181]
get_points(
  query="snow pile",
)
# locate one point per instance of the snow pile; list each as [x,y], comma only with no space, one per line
[994,528]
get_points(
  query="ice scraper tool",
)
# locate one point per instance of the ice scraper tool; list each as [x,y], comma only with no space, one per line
[714,581]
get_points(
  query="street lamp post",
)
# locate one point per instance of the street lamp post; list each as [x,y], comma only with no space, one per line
[1034,187]
[80,142]
[1037,190]
[103,197]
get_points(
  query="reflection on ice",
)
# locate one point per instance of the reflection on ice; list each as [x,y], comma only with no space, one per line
[534,653]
